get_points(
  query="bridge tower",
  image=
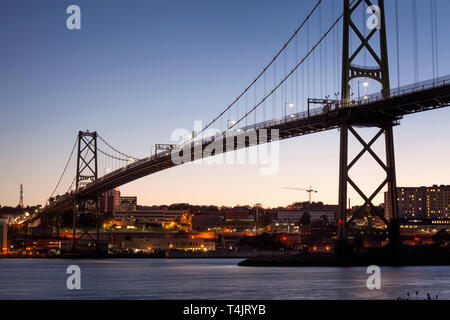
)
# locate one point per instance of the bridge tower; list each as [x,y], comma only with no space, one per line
[86,172]
[379,73]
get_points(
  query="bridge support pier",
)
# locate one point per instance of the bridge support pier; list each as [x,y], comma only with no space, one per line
[389,217]
[379,73]
[343,174]
[86,172]
[86,207]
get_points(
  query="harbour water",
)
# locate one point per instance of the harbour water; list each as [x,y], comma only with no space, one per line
[211,279]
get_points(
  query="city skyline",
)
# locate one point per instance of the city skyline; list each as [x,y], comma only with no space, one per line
[92,72]
[266,151]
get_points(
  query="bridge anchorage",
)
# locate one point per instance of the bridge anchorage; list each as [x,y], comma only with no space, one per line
[380,73]
[87,171]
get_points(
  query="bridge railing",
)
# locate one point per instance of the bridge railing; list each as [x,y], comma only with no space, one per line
[401,91]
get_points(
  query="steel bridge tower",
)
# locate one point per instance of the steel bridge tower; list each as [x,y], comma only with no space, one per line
[86,172]
[378,73]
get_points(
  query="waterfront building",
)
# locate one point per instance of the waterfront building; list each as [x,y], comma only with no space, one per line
[153,241]
[239,225]
[423,202]
[156,217]
[423,225]
[212,222]
[289,220]
[84,246]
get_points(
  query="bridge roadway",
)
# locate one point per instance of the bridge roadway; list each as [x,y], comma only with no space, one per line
[371,112]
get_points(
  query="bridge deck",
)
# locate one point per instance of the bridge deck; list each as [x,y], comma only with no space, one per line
[374,111]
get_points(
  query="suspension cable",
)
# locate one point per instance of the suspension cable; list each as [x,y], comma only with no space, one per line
[293,70]
[65,168]
[73,181]
[264,70]
[114,157]
[121,153]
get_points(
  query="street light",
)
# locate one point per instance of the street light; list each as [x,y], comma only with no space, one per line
[365,85]
[290,105]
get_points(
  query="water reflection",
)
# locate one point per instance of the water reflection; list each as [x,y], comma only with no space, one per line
[211,279]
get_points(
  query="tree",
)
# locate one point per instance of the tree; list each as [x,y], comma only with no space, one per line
[325,219]
[442,237]
[305,219]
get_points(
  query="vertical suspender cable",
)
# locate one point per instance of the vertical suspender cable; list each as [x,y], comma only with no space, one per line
[237,109]
[433,53]
[338,57]
[255,102]
[274,98]
[303,88]
[326,65]
[415,43]
[397,36]
[437,36]
[285,72]
[308,72]
[320,54]
[264,105]
[296,76]
[333,8]
[314,74]
[246,109]
[434,26]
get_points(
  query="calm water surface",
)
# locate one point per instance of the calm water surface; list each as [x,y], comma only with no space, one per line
[210,279]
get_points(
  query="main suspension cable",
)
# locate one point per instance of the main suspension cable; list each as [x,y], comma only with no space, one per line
[264,70]
[293,70]
[114,157]
[121,153]
[65,168]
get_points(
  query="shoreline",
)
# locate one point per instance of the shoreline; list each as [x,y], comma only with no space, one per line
[405,256]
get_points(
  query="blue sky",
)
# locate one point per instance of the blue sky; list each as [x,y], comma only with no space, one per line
[137,70]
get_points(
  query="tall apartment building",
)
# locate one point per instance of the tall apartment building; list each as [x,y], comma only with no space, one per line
[110,201]
[423,202]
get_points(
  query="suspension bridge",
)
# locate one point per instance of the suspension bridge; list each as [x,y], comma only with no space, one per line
[312,84]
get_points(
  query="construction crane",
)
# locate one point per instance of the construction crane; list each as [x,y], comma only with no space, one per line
[310,191]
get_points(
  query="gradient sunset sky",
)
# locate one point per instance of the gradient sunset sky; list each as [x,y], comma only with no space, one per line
[140,69]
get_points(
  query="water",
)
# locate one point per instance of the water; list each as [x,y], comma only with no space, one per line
[210,279]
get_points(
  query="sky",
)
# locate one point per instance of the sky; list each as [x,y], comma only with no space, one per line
[138,70]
